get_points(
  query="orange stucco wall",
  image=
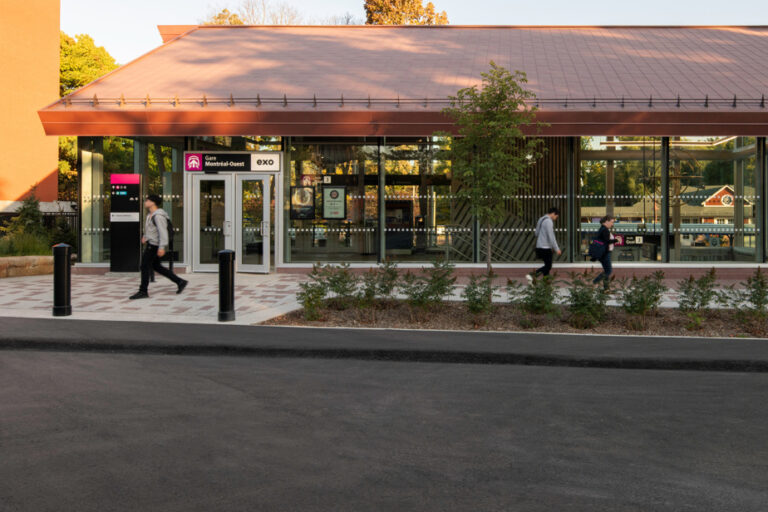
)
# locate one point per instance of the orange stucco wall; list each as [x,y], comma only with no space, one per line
[29,60]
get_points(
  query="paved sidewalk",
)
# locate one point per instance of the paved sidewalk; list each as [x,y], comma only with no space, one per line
[258,298]
[105,297]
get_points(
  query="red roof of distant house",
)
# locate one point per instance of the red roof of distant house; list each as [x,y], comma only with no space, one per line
[394,80]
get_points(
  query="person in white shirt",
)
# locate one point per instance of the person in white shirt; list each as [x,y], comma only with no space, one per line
[546,243]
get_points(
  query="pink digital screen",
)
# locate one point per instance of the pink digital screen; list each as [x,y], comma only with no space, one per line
[125,179]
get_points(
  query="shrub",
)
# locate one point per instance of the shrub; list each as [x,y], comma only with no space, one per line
[24,244]
[540,297]
[368,290]
[63,234]
[586,302]
[696,296]
[430,289]
[387,278]
[479,294]
[750,303]
[28,219]
[641,297]
[312,298]
[341,282]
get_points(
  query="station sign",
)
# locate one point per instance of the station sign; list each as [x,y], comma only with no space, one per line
[238,161]
[125,222]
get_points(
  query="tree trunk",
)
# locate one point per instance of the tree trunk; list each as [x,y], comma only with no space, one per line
[488,246]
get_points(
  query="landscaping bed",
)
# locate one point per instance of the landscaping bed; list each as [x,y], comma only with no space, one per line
[334,296]
[507,317]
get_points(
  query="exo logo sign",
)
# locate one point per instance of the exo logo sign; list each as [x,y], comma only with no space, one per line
[193,162]
[265,162]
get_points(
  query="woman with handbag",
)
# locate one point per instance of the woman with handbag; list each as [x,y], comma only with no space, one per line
[605,238]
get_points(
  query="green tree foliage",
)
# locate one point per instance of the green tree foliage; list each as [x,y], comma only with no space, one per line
[403,12]
[491,156]
[28,219]
[68,168]
[81,62]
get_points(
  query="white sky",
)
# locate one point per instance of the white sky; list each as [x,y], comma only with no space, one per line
[127,28]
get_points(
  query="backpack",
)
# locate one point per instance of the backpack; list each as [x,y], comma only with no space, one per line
[596,249]
[169,227]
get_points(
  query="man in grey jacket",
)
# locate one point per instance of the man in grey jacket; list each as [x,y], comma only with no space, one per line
[546,244]
[156,240]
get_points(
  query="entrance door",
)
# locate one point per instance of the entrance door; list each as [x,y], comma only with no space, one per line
[252,222]
[231,211]
[212,222]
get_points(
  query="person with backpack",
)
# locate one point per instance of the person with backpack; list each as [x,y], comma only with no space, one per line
[603,247]
[156,237]
[546,244]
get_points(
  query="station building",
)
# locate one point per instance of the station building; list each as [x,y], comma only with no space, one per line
[298,144]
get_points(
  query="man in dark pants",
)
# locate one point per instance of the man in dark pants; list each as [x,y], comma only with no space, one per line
[156,240]
[546,244]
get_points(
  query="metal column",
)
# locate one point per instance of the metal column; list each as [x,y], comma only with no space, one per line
[573,246]
[665,199]
[760,186]
[382,203]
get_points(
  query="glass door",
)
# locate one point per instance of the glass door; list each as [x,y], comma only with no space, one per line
[253,223]
[212,222]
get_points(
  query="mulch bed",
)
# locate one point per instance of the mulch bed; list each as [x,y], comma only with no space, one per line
[505,317]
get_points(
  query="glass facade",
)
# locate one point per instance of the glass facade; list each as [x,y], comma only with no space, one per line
[423,217]
[159,163]
[713,197]
[369,199]
[313,229]
[621,177]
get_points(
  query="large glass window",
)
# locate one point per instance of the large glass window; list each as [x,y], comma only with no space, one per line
[513,239]
[163,176]
[99,159]
[424,219]
[331,202]
[621,177]
[713,197]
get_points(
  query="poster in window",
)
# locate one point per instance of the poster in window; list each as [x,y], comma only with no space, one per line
[334,202]
[302,203]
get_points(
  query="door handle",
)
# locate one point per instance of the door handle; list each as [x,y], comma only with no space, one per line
[264,228]
[227,228]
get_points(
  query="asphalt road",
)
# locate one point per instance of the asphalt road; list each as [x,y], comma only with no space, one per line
[101,432]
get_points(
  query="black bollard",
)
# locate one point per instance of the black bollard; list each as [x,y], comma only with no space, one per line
[226,285]
[62,271]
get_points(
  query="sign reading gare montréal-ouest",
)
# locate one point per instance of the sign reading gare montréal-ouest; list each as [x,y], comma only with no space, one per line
[214,162]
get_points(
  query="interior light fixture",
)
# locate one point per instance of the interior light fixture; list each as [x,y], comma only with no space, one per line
[672,143]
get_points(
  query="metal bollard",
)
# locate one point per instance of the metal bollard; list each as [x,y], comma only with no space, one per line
[62,272]
[226,285]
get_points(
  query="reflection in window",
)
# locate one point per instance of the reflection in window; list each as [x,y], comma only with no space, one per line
[424,219]
[345,228]
[712,199]
[621,177]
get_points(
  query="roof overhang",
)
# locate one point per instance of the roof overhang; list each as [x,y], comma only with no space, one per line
[151,122]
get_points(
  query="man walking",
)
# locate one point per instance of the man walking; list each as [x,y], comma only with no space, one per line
[156,240]
[546,244]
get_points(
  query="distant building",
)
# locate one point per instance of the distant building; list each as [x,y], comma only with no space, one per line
[29,59]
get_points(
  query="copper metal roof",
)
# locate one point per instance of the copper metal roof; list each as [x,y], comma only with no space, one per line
[387,80]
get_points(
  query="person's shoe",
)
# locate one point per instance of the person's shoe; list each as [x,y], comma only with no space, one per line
[529,277]
[139,295]
[183,284]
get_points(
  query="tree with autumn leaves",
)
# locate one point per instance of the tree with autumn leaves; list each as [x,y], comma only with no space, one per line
[403,12]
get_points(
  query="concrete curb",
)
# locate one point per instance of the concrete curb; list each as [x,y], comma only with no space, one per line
[619,352]
[413,356]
